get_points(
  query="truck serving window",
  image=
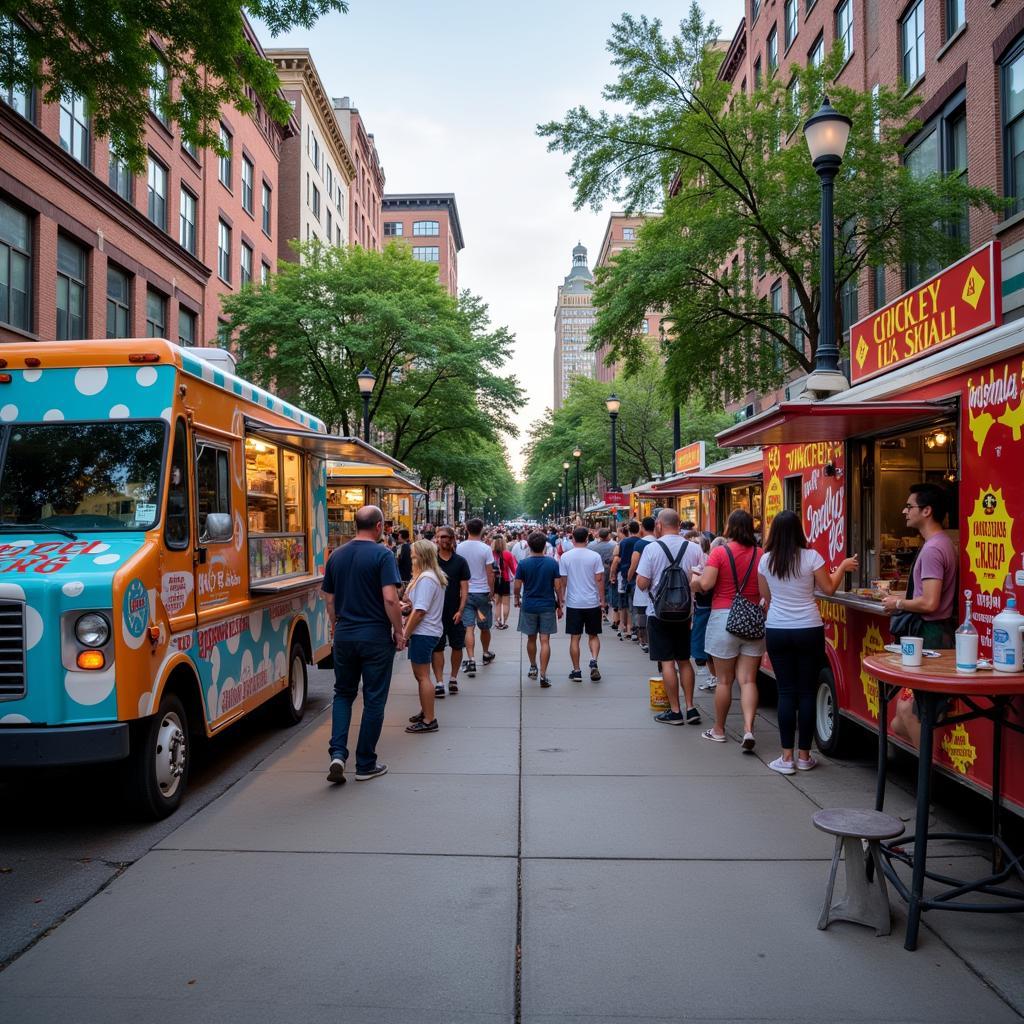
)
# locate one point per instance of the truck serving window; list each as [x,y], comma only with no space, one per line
[82,476]
[274,498]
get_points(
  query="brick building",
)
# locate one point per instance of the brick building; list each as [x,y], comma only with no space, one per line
[574,316]
[429,223]
[317,168]
[367,189]
[964,62]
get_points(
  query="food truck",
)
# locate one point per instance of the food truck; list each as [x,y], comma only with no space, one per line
[162,540]
[937,396]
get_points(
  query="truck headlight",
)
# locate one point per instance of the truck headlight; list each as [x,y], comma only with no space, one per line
[92,630]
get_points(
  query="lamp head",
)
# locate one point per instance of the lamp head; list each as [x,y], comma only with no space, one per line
[576,453]
[365,380]
[565,465]
[612,403]
[827,132]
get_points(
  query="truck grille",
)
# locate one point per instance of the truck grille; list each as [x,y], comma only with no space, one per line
[12,650]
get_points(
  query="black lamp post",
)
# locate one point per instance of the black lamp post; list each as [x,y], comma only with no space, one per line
[366,380]
[827,133]
[613,405]
[565,481]
[576,453]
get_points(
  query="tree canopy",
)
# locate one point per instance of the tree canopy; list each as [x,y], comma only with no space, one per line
[113,54]
[746,204]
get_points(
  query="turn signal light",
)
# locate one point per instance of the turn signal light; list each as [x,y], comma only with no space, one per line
[144,357]
[5,378]
[33,361]
[91,660]
[154,634]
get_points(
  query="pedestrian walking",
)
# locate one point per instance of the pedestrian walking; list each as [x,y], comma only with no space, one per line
[731,570]
[664,572]
[605,547]
[424,604]
[504,573]
[701,614]
[626,589]
[640,598]
[361,587]
[478,612]
[788,574]
[456,592]
[521,548]
[538,598]
[403,556]
[582,575]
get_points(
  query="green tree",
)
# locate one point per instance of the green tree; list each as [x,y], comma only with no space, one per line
[745,186]
[103,51]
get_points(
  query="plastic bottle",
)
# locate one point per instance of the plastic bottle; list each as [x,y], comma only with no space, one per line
[1006,638]
[967,641]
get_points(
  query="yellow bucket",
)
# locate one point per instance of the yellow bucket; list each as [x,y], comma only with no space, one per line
[659,699]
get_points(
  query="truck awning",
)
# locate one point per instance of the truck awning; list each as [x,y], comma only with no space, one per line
[361,475]
[324,446]
[802,422]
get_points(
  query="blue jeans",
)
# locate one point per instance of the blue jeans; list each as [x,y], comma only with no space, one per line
[701,614]
[373,662]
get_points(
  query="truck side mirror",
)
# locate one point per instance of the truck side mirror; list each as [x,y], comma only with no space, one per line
[218,528]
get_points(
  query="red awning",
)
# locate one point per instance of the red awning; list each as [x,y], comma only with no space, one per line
[802,422]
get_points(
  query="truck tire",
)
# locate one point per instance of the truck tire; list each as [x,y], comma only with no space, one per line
[290,704]
[832,732]
[158,764]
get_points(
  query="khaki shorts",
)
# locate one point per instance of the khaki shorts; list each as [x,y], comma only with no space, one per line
[719,643]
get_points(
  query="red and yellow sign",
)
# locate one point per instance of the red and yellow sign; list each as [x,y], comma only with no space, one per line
[690,457]
[990,539]
[963,300]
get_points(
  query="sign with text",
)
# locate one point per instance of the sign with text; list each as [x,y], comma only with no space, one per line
[614,498]
[965,299]
[690,457]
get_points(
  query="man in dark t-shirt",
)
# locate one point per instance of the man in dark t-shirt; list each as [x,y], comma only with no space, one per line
[403,556]
[361,585]
[456,568]
[537,594]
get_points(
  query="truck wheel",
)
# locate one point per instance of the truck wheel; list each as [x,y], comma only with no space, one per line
[159,762]
[832,732]
[290,704]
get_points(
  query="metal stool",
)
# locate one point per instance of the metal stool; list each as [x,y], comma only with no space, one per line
[867,899]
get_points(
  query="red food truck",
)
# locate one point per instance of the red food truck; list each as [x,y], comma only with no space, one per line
[937,395]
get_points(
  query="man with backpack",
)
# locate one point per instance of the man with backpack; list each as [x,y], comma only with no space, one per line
[664,573]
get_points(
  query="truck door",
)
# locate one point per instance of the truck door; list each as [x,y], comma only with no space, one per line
[177,581]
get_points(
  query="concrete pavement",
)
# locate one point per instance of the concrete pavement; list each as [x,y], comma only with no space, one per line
[546,856]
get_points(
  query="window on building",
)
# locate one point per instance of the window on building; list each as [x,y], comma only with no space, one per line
[156,194]
[876,115]
[187,221]
[316,152]
[266,209]
[792,21]
[187,332]
[393,228]
[158,92]
[328,179]
[628,234]
[755,10]
[757,74]
[12,43]
[264,274]
[426,253]
[119,307]
[425,227]
[794,95]
[245,263]
[773,51]
[338,230]
[844,26]
[118,176]
[329,225]
[798,319]
[817,52]
[878,285]
[224,161]
[15,267]
[956,17]
[156,314]
[74,127]
[848,291]
[315,205]
[71,304]
[223,251]
[248,173]
[190,148]
[1013,124]
[912,44]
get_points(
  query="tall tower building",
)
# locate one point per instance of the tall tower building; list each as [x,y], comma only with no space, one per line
[574,316]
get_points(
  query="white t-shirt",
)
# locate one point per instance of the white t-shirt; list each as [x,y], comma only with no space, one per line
[653,561]
[520,550]
[793,605]
[642,598]
[581,567]
[428,597]
[479,556]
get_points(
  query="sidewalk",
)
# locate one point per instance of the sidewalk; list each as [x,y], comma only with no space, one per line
[645,874]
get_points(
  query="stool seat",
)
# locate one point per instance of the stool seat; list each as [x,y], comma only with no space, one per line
[851,821]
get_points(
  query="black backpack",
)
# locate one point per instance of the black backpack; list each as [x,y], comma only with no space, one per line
[671,599]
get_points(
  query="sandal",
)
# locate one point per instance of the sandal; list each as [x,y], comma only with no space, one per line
[422,726]
[709,734]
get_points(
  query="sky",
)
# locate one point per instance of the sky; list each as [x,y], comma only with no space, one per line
[452,91]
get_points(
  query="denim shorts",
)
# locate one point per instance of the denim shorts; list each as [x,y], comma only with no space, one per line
[421,649]
[478,603]
[532,623]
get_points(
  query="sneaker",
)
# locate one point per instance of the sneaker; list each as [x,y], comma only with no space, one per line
[595,675]
[748,743]
[439,691]
[372,773]
[453,686]
[576,675]
[634,638]
[693,716]
[489,656]
[422,726]
[465,664]
[619,635]
[544,682]
[805,765]
[532,674]
[711,684]
[671,718]
[710,734]
[781,766]
[645,649]
[336,772]
[471,668]
[418,717]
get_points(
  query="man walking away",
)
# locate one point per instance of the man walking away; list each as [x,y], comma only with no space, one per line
[456,592]
[640,599]
[521,548]
[361,583]
[626,548]
[582,573]
[403,556]
[537,595]
[605,547]
[669,632]
[480,559]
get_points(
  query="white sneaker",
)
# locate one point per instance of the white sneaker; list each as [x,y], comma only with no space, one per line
[782,767]
[710,684]
[336,772]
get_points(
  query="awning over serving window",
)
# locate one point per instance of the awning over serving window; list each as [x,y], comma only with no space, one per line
[741,468]
[362,475]
[325,446]
[802,422]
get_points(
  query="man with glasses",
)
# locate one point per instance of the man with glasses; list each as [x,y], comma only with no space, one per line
[456,568]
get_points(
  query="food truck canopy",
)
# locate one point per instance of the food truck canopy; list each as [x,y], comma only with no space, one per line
[325,446]
[741,468]
[355,474]
[802,422]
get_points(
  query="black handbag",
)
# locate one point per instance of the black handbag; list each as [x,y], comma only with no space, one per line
[746,619]
[907,623]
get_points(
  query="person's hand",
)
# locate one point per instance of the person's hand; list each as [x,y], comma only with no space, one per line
[518,602]
[849,564]
[457,617]
[889,603]
[558,611]
[400,641]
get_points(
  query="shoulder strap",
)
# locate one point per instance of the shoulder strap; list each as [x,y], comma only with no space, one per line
[668,553]
[732,562]
[750,569]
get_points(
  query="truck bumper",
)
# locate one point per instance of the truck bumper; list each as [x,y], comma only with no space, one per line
[35,746]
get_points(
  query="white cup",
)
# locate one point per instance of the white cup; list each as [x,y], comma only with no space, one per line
[911,648]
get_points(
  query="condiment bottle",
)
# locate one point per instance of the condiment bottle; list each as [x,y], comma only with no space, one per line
[967,641]
[1006,638]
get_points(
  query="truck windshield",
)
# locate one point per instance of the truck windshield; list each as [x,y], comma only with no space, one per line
[82,476]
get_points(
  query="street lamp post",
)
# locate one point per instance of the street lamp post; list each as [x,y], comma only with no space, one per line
[366,380]
[827,133]
[576,453]
[565,480]
[613,405]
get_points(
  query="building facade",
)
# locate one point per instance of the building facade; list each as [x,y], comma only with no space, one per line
[963,61]
[429,224]
[367,189]
[574,316]
[317,168]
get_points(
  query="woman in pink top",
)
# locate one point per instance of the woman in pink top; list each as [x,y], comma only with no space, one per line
[734,658]
[505,566]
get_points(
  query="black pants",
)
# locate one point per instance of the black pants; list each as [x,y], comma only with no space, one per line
[797,656]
